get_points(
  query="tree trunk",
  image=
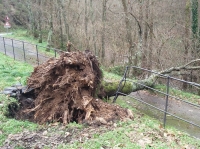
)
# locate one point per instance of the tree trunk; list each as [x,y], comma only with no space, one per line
[146,29]
[86,19]
[128,32]
[140,44]
[31,19]
[40,3]
[195,52]
[64,15]
[186,39]
[103,31]
[194,26]
[151,39]
[49,39]
[60,24]
[92,17]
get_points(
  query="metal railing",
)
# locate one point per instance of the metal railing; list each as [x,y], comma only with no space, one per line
[166,94]
[27,52]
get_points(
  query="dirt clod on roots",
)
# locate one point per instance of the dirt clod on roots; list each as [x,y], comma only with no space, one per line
[64,91]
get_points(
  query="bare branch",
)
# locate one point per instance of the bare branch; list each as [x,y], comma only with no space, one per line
[183,67]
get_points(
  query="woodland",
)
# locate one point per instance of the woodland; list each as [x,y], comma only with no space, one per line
[153,34]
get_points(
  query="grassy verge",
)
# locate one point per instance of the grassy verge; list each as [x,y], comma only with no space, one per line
[12,72]
[142,132]
[180,94]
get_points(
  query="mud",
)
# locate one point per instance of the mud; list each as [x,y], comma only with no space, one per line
[65,89]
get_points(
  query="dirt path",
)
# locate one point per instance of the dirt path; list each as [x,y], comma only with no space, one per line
[175,107]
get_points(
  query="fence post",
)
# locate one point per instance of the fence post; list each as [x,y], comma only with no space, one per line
[55,52]
[4,45]
[167,98]
[24,52]
[37,55]
[13,49]
[120,85]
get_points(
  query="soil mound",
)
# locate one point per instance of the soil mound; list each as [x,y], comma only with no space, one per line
[64,90]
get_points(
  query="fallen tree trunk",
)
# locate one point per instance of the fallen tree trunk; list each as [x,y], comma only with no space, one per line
[111,87]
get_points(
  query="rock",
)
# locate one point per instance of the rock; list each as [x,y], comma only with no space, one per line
[44,133]
[8,92]
[13,89]
[101,120]
[130,114]
[115,125]
[26,90]
[18,85]
[67,134]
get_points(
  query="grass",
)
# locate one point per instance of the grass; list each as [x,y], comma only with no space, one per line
[179,94]
[143,132]
[22,35]
[12,72]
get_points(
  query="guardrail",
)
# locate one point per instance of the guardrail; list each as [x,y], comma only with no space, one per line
[167,94]
[28,52]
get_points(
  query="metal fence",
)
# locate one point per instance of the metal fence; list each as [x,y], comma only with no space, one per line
[164,106]
[25,51]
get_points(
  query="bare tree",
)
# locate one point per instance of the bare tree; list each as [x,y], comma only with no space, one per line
[59,6]
[128,32]
[49,38]
[40,4]
[103,31]
[186,37]
[150,53]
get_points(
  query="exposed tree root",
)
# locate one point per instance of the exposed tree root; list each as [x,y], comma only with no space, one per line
[65,90]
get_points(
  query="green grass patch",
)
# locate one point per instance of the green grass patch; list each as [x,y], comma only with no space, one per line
[179,94]
[13,72]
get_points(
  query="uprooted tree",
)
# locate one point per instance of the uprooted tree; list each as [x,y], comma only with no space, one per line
[64,90]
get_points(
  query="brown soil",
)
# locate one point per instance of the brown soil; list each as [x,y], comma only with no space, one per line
[64,91]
